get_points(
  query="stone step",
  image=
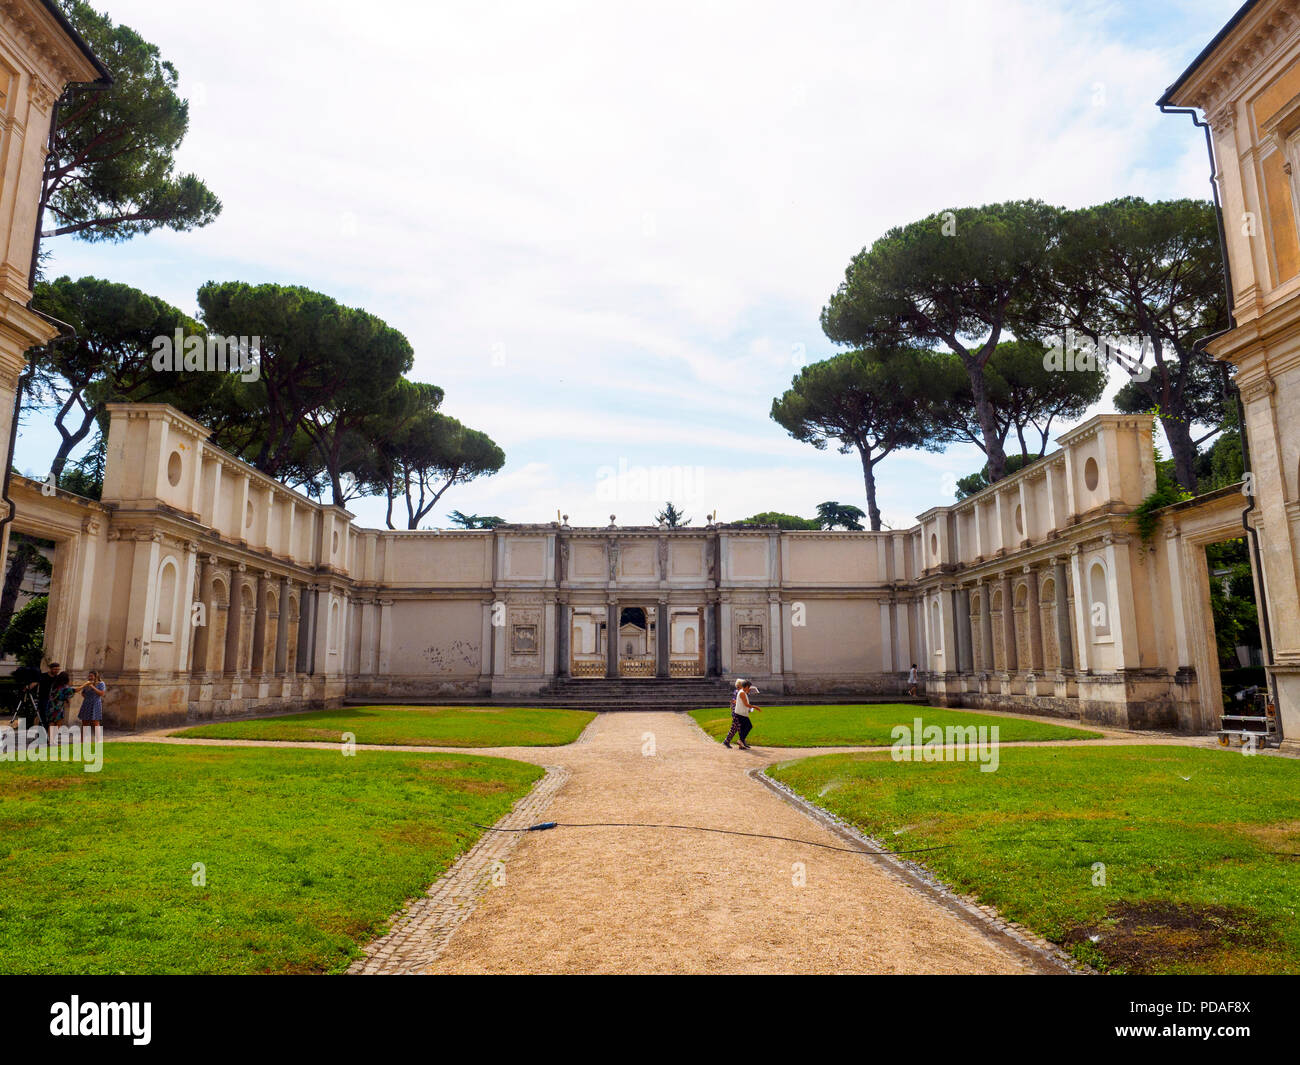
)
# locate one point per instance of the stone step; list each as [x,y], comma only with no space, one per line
[646,702]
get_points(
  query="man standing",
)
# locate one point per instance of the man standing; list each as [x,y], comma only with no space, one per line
[911,681]
[45,690]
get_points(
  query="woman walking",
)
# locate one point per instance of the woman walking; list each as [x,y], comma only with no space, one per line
[740,709]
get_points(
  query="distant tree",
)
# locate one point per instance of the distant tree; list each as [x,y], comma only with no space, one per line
[1232,600]
[957,279]
[25,554]
[1145,280]
[672,517]
[324,371]
[977,482]
[434,453]
[24,637]
[840,515]
[1027,395]
[110,174]
[784,521]
[109,359]
[867,402]
[85,476]
[475,521]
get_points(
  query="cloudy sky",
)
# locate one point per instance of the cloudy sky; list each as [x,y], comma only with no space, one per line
[608,228]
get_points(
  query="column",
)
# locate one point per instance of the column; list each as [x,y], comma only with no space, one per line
[1032,620]
[234,618]
[961,610]
[563,634]
[1064,630]
[385,636]
[320,636]
[1122,621]
[282,628]
[203,633]
[886,638]
[185,630]
[487,637]
[1010,650]
[712,666]
[143,555]
[986,626]
[611,640]
[775,631]
[259,624]
[302,660]
[1080,609]
[663,622]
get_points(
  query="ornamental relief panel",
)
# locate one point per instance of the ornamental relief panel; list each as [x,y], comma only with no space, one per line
[524,638]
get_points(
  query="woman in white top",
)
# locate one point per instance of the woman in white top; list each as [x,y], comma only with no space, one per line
[740,722]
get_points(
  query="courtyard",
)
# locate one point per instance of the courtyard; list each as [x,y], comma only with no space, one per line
[398,493]
[278,845]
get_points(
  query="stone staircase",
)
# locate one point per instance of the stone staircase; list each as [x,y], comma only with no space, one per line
[639,693]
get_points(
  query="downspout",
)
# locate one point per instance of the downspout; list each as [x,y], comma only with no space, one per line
[1252,533]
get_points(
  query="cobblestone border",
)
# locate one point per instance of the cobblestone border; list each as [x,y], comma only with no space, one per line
[421,930]
[1044,956]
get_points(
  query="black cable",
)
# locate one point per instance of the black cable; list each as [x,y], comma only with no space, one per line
[701,828]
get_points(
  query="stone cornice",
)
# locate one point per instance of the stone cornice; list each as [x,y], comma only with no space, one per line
[1241,56]
[46,42]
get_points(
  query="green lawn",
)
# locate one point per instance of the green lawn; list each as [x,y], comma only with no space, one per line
[1200,847]
[422,726]
[870,725]
[307,853]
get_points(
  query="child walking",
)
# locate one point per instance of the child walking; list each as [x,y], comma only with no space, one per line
[740,708]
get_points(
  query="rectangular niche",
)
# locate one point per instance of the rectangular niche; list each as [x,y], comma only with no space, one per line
[749,639]
[523,639]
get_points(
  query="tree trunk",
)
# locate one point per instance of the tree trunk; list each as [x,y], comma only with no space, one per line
[1183,450]
[22,556]
[988,424]
[869,478]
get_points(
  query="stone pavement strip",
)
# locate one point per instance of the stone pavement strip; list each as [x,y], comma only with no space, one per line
[617,899]
[420,932]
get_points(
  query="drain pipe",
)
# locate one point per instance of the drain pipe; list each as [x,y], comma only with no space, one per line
[1252,534]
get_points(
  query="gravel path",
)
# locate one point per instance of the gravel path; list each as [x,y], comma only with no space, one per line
[632,900]
[656,900]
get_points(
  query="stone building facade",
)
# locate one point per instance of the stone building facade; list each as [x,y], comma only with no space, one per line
[1246,84]
[40,56]
[204,588]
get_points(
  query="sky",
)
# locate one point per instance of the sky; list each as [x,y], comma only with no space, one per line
[608,229]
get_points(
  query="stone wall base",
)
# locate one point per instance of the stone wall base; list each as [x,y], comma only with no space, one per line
[835,683]
[418,686]
[138,702]
[1134,699]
